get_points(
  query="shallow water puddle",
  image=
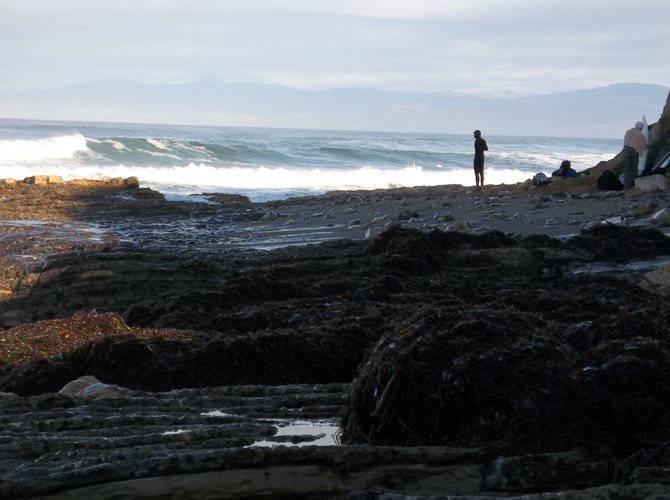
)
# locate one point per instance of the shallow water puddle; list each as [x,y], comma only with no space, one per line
[629,268]
[303,433]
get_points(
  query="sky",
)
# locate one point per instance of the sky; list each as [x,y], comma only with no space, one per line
[490,47]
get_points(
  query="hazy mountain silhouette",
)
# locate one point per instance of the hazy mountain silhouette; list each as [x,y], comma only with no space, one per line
[601,112]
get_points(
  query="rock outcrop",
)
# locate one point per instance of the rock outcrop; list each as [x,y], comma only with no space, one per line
[253,441]
[147,352]
[659,140]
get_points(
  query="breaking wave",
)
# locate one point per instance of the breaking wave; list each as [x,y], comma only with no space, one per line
[277,162]
[49,148]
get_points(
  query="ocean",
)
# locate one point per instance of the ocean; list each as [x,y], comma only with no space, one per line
[264,164]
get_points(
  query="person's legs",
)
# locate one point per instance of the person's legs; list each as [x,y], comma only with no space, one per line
[479,175]
[633,170]
[626,168]
[630,164]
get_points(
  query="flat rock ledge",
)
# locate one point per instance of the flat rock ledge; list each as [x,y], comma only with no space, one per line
[98,441]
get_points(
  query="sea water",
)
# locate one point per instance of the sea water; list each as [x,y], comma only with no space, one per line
[265,164]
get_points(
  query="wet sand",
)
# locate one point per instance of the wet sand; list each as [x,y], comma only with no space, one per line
[363,215]
[42,219]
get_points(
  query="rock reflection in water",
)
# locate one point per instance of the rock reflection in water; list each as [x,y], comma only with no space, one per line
[303,433]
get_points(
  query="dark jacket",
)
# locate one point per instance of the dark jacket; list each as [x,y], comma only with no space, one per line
[480,147]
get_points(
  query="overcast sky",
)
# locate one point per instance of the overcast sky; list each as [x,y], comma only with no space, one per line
[489,46]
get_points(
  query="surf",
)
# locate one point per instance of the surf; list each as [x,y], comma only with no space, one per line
[49,148]
[183,160]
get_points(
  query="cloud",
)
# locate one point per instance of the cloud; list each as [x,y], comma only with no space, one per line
[478,45]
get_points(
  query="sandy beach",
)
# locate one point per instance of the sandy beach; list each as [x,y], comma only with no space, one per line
[561,211]
[224,222]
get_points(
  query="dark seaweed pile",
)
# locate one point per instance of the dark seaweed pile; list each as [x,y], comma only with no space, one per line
[552,363]
[498,375]
[450,338]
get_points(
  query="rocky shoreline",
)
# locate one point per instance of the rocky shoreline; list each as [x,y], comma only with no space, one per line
[184,301]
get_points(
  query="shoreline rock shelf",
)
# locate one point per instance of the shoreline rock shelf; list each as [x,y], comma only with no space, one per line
[174,308]
[200,444]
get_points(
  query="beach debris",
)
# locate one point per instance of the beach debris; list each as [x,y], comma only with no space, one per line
[371,233]
[616,220]
[660,217]
[270,216]
[443,217]
[292,219]
[407,214]
[589,225]
[642,211]
[379,220]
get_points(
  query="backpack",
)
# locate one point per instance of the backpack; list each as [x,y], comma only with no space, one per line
[541,179]
[608,182]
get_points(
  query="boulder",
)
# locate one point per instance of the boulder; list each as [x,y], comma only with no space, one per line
[36,179]
[657,281]
[649,183]
[131,182]
[89,387]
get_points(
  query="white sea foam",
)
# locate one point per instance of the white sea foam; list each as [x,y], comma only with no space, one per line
[367,177]
[157,154]
[550,159]
[216,413]
[115,144]
[51,148]
[158,144]
[198,178]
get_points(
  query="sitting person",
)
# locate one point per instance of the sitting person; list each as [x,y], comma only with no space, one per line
[565,170]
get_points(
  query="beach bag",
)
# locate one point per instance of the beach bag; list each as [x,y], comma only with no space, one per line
[541,179]
[608,182]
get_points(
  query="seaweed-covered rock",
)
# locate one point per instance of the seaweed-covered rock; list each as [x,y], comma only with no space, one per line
[486,377]
[619,244]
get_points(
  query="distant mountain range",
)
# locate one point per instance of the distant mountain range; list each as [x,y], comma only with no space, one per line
[601,112]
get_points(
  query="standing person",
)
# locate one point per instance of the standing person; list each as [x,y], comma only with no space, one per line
[633,147]
[480,147]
